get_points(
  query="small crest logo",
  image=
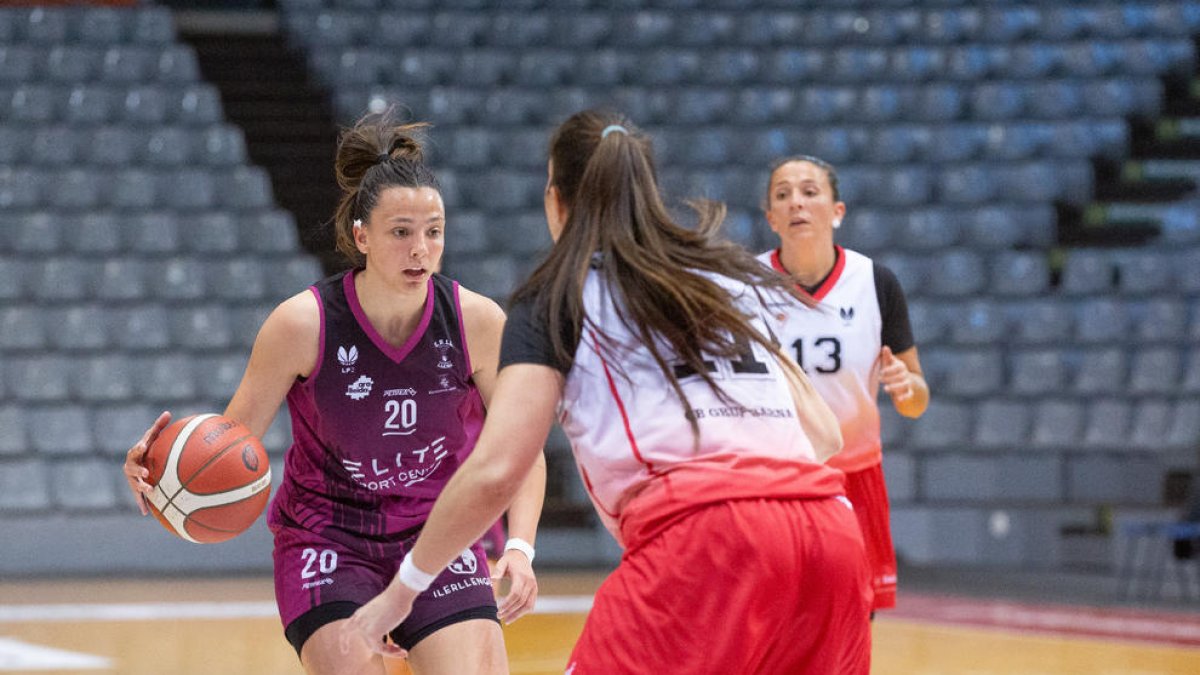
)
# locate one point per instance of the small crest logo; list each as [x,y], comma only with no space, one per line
[249,457]
[347,357]
[847,315]
[465,564]
[443,347]
[444,381]
[360,388]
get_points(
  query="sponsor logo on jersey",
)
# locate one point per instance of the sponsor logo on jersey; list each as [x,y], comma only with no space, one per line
[443,347]
[444,385]
[347,357]
[400,392]
[360,388]
[466,563]
[847,315]
[408,468]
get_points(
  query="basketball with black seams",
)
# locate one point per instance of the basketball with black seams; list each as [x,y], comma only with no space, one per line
[211,478]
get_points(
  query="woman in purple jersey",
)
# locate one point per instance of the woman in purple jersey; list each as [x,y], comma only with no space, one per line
[386,402]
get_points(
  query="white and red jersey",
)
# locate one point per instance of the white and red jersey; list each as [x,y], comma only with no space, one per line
[860,308]
[633,442]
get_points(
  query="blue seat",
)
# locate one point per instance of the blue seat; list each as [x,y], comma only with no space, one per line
[41,378]
[1037,372]
[1101,371]
[25,486]
[1186,265]
[176,64]
[270,231]
[868,230]
[140,327]
[1184,429]
[1088,272]
[896,143]
[102,25]
[959,273]
[217,376]
[152,25]
[978,322]
[955,142]
[188,189]
[915,64]
[13,275]
[37,232]
[59,430]
[731,67]
[998,100]
[1101,321]
[1155,370]
[197,104]
[645,29]
[1019,274]
[1011,24]
[179,278]
[1002,424]
[62,278]
[1033,182]
[926,229]
[1108,425]
[75,190]
[145,106]
[1190,382]
[1056,99]
[977,372]
[79,328]
[1150,425]
[68,64]
[105,378]
[245,188]
[167,146]
[287,276]
[201,327]
[133,189]
[1143,272]
[165,378]
[44,25]
[1042,322]
[21,329]
[1016,140]
[546,68]
[127,65]
[938,102]
[857,64]
[494,276]
[238,279]
[153,232]
[1091,59]
[401,29]
[35,104]
[18,64]
[951,24]
[697,107]
[967,185]
[1161,320]
[121,279]
[928,322]
[948,425]
[1033,60]
[912,273]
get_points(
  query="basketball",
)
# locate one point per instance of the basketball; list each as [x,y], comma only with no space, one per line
[211,478]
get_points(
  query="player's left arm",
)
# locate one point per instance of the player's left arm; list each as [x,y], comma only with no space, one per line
[484,323]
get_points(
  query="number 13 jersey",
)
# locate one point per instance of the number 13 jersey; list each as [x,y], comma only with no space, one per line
[377,429]
[860,308]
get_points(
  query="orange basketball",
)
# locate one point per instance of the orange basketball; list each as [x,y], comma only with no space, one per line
[211,478]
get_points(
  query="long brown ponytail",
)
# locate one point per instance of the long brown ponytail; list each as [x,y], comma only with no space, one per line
[603,170]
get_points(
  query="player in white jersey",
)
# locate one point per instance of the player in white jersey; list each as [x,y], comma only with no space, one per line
[856,338]
[700,442]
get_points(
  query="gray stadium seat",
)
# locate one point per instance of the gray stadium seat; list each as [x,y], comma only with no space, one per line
[63,279]
[13,440]
[121,279]
[1150,425]
[928,322]
[18,63]
[869,230]
[1184,430]
[105,378]
[54,146]
[24,486]
[167,146]
[236,279]
[13,278]
[928,229]
[102,25]
[154,232]
[1037,372]
[976,373]
[145,105]
[1140,272]
[1002,424]
[959,273]
[1108,424]
[1101,321]
[1190,383]
[140,327]
[217,376]
[289,276]
[114,146]
[176,64]
[209,232]
[1058,424]
[162,378]
[36,232]
[1101,371]
[34,104]
[1019,274]
[21,329]
[95,233]
[1161,320]
[946,425]
[43,378]
[1154,370]
[118,426]
[177,278]
[77,328]
[245,188]
[197,104]
[977,322]
[75,487]
[188,189]
[68,64]
[44,25]
[958,477]
[19,188]
[272,231]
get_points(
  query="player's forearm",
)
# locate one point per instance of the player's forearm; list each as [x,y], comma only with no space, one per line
[526,508]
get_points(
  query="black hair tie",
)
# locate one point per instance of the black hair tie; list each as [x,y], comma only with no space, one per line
[384,156]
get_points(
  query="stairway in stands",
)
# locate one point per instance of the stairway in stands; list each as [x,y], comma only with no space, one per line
[287,120]
[1136,197]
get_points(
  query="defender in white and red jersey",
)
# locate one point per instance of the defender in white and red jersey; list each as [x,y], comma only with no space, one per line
[700,443]
[856,338]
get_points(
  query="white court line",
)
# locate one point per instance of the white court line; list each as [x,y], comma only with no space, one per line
[151,611]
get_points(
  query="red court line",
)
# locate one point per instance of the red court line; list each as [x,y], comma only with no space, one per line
[1160,627]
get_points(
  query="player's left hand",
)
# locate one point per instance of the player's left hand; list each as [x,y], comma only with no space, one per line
[373,621]
[523,588]
[894,375]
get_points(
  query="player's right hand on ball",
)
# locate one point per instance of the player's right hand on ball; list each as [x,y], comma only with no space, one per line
[135,473]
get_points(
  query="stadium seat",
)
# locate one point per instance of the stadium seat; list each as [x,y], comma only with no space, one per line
[237,279]
[77,328]
[140,327]
[959,273]
[1019,274]
[1154,370]
[1108,425]
[947,426]
[1150,425]
[977,322]
[976,373]
[1101,321]
[1161,319]
[121,279]
[21,329]
[105,378]
[1002,424]
[178,278]
[1037,372]
[1088,272]
[1101,371]
[1142,272]
[165,378]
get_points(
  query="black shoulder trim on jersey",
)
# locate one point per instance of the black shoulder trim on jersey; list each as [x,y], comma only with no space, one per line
[896,331]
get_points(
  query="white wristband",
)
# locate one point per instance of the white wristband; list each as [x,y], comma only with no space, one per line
[412,576]
[518,544]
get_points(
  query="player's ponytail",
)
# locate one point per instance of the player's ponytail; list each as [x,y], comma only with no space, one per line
[603,170]
[378,152]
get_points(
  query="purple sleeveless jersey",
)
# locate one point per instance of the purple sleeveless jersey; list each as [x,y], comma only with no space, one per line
[377,430]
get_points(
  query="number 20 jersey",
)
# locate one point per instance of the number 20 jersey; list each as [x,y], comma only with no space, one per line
[378,430]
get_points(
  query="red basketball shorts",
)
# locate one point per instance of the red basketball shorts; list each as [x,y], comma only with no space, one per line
[868,492]
[749,586]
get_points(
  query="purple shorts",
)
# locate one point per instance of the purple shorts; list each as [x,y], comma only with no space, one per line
[319,581]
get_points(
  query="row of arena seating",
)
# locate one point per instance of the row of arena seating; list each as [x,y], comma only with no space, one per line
[555,24]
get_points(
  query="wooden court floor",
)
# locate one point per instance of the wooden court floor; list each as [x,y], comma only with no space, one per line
[205,626]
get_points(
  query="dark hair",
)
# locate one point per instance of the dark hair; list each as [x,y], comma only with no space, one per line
[655,267]
[378,152]
[830,173]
